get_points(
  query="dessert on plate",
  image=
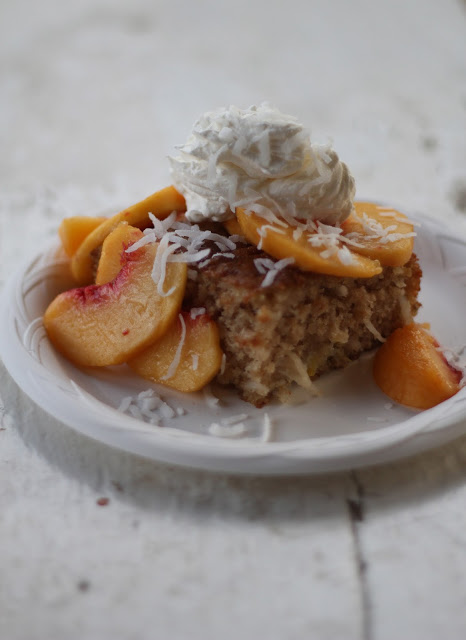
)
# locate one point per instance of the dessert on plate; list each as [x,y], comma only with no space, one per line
[256,268]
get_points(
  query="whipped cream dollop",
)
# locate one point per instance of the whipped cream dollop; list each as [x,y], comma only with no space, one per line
[260,158]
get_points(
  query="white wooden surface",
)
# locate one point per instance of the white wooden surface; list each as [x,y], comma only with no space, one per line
[93,97]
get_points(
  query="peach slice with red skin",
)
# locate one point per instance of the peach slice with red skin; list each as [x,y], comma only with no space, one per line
[73,231]
[394,253]
[278,241]
[161,204]
[108,324]
[200,358]
[411,370]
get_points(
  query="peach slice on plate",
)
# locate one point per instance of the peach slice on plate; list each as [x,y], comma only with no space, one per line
[113,255]
[107,324]
[393,250]
[410,368]
[73,231]
[161,204]
[279,242]
[187,356]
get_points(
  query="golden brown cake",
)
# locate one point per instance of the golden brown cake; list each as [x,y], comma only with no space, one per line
[302,325]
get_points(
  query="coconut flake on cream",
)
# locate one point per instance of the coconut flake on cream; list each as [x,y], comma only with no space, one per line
[260,157]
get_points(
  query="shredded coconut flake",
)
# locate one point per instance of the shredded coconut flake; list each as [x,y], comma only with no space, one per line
[191,257]
[368,324]
[211,400]
[298,373]
[391,213]
[262,231]
[374,229]
[148,406]
[125,404]
[136,412]
[223,364]
[160,265]
[227,431]
[166,411]
[146,394]
[263,265]
[405,309]
[270,268]
[150,238]
[176,360]
[234,419]
[196,312]
[237,238]
[224,255]
[192,274]
[267,429]
[345,256]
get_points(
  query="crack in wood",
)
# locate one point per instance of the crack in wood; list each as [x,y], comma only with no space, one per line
[356,512]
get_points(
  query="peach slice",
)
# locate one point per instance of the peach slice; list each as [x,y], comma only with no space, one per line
[280,243]
[187,365]
[390,254]
[73,231]
[108,324]
[161,204]
[233,227]
[411,370]
[113,256]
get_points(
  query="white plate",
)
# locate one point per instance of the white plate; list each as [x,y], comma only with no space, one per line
[352,424]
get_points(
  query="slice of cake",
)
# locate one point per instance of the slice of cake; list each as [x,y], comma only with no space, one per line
[301,325]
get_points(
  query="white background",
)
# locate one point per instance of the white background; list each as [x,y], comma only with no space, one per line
[93,96]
